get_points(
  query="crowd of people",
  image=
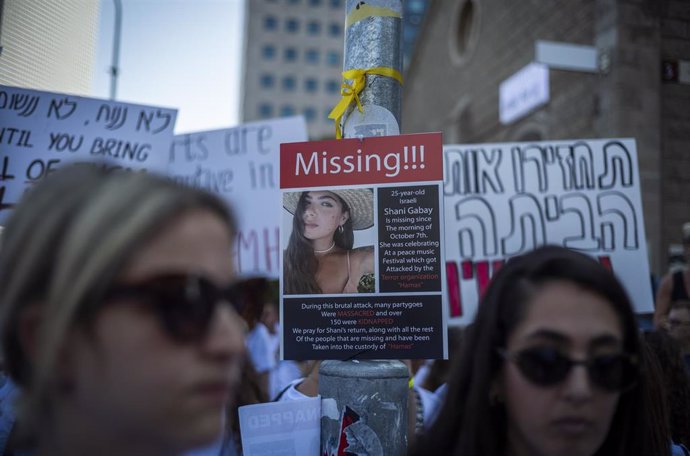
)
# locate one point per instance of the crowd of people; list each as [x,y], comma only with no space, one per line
[125,331]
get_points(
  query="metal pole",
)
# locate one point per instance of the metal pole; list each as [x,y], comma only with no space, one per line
[365,402]
[114,67]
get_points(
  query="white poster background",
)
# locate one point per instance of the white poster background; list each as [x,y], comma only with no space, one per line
[504,199]
[240,165]
[40,131]
[289,428]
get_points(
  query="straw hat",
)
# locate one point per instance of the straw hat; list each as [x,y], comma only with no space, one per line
[360,201]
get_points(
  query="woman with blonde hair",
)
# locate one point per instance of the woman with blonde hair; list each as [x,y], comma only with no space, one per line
[320,257]
[116,315]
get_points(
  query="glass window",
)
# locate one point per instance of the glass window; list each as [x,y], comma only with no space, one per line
[332,86]
[336,3]
[332,58]
[265,110]
[292,25]
[289,83]
[287,110]
[268,51]
[310,114]
[267,81]
[415,6]
[290,54]
[315,2]
[314,28]
[312,56]
[270,23]
[293,2]
[311,85]
[334,29]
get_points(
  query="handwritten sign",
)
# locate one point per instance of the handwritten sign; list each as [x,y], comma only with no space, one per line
[241,166]
[40,131]
[505,199]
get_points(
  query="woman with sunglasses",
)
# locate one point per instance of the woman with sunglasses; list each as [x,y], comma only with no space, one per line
[115,314]
[549,368]
[320,257]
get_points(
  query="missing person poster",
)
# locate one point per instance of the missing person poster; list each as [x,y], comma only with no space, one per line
[505,199]
[362,253]
[41,131]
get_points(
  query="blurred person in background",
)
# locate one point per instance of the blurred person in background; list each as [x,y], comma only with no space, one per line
[116,314]
[678,326]
[674,286]
[676,380]
[549,368]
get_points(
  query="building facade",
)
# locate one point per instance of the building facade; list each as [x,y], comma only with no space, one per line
[48,45]
[293,58]
[466,48]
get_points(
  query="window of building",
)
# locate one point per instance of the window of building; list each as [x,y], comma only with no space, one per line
[325,116]
[464,30]
[312,56]
[265,110]
[287,110]
[336,3]
[289,83]
[268,51]
[311,85]
[292,25]
[315,2]
[270,23]
[313,28]
[332,58]
[292,2]
[334,29]
[310,114]
[267,81]
[332,86]
[290,54]
[415,6]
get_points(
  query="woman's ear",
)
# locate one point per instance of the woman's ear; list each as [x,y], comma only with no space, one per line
[344,217]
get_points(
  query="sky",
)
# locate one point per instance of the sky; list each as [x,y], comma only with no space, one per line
[184,54]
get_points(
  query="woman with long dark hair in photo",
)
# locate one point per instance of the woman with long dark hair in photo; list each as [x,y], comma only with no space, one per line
[320,258]
[551,367]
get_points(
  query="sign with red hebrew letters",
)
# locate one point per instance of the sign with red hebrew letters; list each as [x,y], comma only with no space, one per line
[504,199]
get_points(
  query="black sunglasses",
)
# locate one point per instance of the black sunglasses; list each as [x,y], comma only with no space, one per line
[184,303]
[546,366]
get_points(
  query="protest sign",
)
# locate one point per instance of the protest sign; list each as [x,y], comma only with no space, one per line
[504,199]
[381,296]
[288,428]
[40,131]
[241,166]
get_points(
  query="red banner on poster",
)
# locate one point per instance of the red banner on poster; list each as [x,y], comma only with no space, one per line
[384,159]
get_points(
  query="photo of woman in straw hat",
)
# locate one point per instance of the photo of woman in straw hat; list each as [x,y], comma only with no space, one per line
[320,258]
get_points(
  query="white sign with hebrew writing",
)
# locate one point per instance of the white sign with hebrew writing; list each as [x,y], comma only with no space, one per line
[504,199]
[240,165]
[40,131]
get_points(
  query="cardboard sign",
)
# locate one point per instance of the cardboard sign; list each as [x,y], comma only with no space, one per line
[241,166]
[40,131]
[381,296]
[504,199]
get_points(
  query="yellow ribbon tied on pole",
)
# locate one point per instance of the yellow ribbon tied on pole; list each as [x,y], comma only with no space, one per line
[350,91]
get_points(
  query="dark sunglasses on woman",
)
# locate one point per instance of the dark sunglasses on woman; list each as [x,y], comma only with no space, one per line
[546,366]
[184,303]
